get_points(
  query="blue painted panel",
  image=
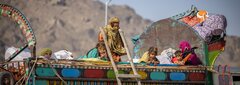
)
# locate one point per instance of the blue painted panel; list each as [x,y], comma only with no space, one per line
[177,76]
[73,73]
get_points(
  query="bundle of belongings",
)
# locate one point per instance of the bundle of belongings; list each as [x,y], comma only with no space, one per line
[166,56]
[21,56]
[19,65]
[208,26]
[62,54]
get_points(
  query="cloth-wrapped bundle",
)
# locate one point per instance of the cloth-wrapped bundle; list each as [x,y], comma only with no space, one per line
[203,32]
[215,24]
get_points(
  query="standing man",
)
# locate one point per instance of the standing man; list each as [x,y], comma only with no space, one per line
[114,39]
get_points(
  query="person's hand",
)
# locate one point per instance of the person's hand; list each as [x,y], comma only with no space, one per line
[192,49]
[103,54]
[100,57]
[116,58]
[149,62]
[181,62]
[156,63]
[100,37]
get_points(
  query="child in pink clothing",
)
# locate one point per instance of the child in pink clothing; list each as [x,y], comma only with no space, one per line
[177,59]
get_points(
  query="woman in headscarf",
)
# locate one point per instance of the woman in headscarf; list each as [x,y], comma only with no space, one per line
[188,54]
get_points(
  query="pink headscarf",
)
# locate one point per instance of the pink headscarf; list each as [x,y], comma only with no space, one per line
[193,60]
[184,45]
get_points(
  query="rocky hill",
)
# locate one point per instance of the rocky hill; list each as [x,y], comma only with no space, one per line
[231,55]
[74,25]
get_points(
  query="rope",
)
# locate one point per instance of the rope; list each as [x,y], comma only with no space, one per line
[54,70]
[20,79]
[31,71]
[23,80]
[24,76]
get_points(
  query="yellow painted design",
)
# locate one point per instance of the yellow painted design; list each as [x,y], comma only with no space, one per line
[142,74]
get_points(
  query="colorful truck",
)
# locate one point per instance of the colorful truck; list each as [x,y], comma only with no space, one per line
[35,71]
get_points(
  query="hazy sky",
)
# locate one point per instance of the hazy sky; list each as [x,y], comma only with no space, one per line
[160,9]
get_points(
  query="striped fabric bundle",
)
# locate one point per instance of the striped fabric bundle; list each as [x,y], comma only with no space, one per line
[215,24]
[203,32]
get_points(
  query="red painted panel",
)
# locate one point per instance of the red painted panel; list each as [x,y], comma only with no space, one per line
[196,76]
[216,46]
[94,73]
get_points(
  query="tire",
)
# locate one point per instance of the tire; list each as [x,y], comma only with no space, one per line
[6,78]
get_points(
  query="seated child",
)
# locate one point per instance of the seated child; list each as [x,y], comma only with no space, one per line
[98,52]
[46,53]
[102,52]
[149,57]
[177,59]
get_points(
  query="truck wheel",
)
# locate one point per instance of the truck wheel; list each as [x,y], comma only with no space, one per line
[6,78]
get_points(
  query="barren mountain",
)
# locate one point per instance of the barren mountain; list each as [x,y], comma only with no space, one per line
[232,52]
[74,25]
